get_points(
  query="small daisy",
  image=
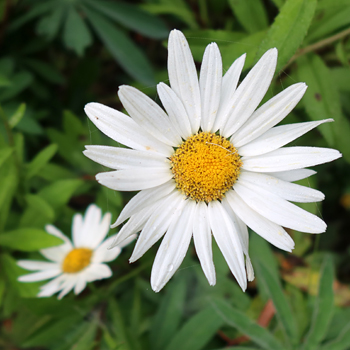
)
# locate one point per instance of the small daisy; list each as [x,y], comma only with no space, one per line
[211,164]
[73,265]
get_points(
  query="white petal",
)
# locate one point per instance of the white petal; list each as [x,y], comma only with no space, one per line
[143,199]
[57,254]
[124,158]
[124,130]
[229,85]
[135,224]
[210,85]
[40,276]
[97,272]
[269,114]
[202,241]
[148,115]
[51,287]
[277,209]
[104,253]
[250,93]
[273,233]
[173,247]
[277,137]
[293,175]
[284,189]
[289,158]
[67,285]
[80,285]
[228,240]
[52,230]
[33,265]
[175,109]
[166,212]
[183,77]
[94,239]
[77,227]
[134,179]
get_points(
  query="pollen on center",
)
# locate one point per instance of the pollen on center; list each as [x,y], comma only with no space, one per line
[76,260]
[205,166]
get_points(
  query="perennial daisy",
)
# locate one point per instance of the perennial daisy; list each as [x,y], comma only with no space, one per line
[74,264]
[211,164]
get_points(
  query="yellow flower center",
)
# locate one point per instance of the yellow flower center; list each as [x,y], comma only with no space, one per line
[76,260]
[205,166]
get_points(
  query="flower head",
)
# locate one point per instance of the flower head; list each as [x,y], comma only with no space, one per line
[212,163]
[72,265]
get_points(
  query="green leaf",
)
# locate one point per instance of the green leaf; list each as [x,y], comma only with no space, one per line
[76,34]
[12,271]
[341,342]
[4,81]
[50,24]
[251,14]
[5,153]
[20,81]
[127,54]
[59,193]
[168,317]
[341,77]
[323,307]
[288,30]
[18,115]
[329,24]
[45,71]
[38,212]
[322,101]
[132,17]
[283,310]
[197,331]
[28,240]
[40,160]
[239,320]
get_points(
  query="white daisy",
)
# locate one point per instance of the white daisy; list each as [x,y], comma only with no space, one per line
[211,163]
[72,265]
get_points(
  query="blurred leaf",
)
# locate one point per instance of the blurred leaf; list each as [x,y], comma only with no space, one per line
[76,34]
[329,23]
[288,30]
[248,45]
[197,331]
[127,54]
[323,308]
[29,125]
[36,11]
[40,160]
[251,14]
[28,239]
[5,152]
[45,71]
[59,193]
[12,272]
[18,115]
[341,77]
[54,172]
[7,66]
[20,81]
[168,316]
[9,182]
[322,101]
[132,17]
[38,212]
[50,24]
[177,8]
[72,125]
[341,53]
[237,319]
[341,342]
[324,4]
[4,81]
[283,310]
[2,289]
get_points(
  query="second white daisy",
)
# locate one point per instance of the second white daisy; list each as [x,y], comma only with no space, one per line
[212,164]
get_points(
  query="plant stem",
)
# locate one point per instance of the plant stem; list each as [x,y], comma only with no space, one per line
[317,46]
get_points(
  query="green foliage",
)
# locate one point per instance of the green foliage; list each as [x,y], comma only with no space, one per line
[58,55]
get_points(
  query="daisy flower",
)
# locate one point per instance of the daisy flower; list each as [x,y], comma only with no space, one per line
[72,265]
[212,163]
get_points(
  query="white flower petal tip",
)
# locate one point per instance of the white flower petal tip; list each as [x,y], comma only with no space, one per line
[73,265]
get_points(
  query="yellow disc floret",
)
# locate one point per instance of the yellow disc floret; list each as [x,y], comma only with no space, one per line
[205,166]
[76,260]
